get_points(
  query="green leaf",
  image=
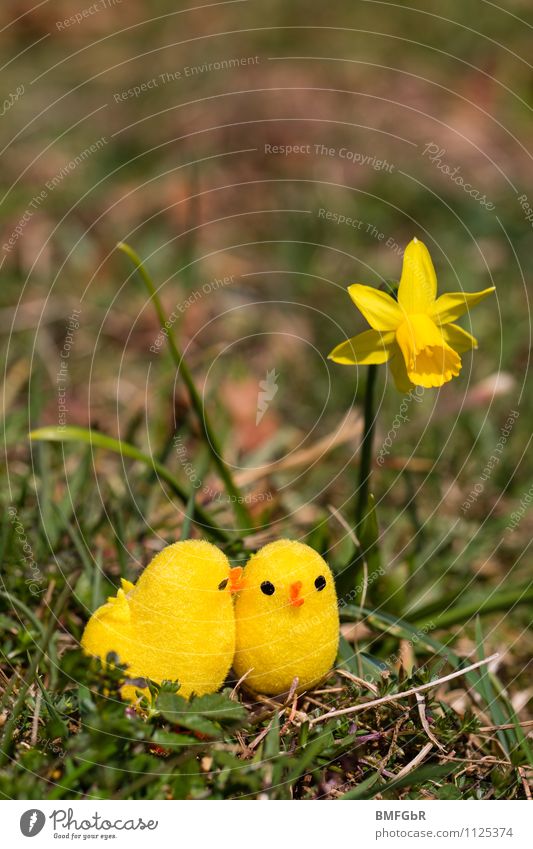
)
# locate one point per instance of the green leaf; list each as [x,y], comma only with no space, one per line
[271,746]
[347,656]
[220,707]
[449,791]
[204,714]
[177,710]
[169,738]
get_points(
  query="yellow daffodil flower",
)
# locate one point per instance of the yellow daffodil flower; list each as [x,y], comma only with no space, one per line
[414,334]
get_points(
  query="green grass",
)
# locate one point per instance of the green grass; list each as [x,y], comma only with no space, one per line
[68,734]
[87,504]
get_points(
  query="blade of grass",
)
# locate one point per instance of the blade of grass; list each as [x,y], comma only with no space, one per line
[8,525]
[521,737]
[366,557]
[189,510]
[49,525]
[398,628]
[271,752]
[54,433]
[207,429]
[92,564]
[307,760]
[498,601]
[119,537]
[97,598]
[75,485]
[59,724]
[484,689]
[16,602]
[363,790]
[369,788]
[78,541]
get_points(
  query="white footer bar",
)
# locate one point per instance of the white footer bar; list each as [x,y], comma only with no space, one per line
[265,825]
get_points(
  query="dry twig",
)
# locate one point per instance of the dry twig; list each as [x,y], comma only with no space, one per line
[395,696]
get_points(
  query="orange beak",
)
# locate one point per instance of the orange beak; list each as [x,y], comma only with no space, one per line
[294,594]
[235,579]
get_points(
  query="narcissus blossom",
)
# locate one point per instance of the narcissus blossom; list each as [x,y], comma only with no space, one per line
[415,335]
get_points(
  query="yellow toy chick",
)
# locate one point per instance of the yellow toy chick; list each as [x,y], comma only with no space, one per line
[176,623]
[287,619]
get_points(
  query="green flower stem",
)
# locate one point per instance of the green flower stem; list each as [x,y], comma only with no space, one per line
[211,440]
[366,547]
[365,465]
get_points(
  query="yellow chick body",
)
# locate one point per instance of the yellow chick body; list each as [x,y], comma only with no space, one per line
[109,628]
[287,619]
[176,623]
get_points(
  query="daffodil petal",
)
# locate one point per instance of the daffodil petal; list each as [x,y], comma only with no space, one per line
[453,305]
[418,284]
[399,373]
[370,347]
[458,339]
[380,310]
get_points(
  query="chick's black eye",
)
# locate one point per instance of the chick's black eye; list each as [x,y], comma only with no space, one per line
[267,588]
[223,584]
[320,582]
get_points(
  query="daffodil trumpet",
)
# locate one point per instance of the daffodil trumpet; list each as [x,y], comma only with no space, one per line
[415,334]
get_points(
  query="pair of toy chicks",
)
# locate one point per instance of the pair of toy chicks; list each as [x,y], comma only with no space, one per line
[179,621]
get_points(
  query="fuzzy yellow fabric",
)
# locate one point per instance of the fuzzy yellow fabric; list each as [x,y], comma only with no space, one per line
[175,623]
[292,631]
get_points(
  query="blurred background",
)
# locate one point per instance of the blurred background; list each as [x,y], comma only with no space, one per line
[260,157]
